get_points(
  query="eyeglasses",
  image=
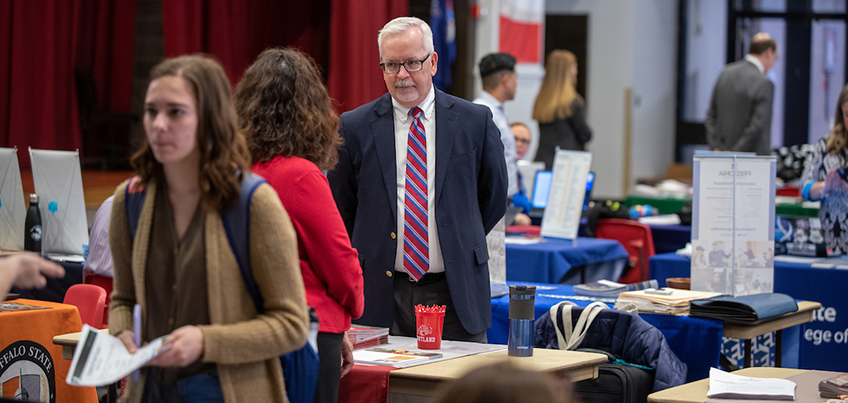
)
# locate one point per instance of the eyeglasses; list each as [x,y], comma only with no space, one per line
[411,66]
[522,141]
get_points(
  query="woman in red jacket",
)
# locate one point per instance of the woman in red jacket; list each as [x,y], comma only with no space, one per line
[292,131]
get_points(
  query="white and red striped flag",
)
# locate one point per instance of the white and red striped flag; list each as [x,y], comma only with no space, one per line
[521,23]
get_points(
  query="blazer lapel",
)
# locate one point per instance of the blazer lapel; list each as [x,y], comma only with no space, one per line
[383,133]
[446,120]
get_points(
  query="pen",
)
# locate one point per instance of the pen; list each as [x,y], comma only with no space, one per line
[137,334]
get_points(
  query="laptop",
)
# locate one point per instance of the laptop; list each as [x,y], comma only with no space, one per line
[509,217]
[542,190]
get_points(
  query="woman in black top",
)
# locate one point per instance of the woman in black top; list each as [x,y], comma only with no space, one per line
[559,109]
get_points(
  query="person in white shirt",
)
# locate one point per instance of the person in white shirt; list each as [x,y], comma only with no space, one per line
[499,84]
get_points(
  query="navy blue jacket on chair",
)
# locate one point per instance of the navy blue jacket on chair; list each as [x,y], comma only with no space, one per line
[470,198]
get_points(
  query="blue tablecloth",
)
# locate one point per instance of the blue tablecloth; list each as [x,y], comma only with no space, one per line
[824,342]
[551,261]
[696,341]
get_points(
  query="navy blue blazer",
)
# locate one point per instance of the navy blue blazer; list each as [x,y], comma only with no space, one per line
[470,198]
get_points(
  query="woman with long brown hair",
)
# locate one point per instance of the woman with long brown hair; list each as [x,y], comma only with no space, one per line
[822,179]
[178,265]
[293,133]
[559,109]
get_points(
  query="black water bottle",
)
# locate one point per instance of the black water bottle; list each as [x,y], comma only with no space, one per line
[32,236]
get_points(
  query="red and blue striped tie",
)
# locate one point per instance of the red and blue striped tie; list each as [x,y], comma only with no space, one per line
[416,242]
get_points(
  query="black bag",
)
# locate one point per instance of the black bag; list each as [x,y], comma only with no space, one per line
[616,382]
[608,209]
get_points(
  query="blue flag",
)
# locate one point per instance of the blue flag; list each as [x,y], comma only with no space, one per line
[444,40]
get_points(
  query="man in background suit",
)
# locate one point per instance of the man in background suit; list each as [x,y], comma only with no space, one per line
[739,118]
[421,180]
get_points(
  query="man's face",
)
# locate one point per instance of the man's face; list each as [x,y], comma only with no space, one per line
[522,140]
[510,85]
[770,58]
[409,89]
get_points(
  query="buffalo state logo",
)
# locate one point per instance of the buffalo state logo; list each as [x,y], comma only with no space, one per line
[27,373]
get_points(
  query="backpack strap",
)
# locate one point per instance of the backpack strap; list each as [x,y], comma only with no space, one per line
[237,227]
[570,336]
[133,202]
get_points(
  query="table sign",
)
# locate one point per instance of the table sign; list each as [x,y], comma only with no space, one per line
[12,207]
[58,182]
[565,201]
[496,240]
[733,223]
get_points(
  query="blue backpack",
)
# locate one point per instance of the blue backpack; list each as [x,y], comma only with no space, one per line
[300,367]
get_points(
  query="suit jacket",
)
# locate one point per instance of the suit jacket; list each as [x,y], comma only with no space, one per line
[470,198]
[739,118]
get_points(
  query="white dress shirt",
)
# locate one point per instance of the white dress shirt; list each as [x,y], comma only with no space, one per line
[753,59]
[402,122]
[499,116]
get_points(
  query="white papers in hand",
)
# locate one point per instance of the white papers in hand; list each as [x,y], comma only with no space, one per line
[729,386]
[101,359]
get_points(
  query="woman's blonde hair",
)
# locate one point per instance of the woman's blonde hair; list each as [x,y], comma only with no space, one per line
[838,138]
[223,150]
[557,93]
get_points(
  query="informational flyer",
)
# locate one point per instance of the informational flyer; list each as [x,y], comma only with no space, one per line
[565,201]
[101,359]
[497,259]
[733,224]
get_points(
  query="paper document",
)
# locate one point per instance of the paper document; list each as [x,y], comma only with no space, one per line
[101,359]
[730,386]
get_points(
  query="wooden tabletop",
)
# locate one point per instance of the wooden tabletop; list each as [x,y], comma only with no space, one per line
[69,343]
[749,330]
[423,380]
[696,392]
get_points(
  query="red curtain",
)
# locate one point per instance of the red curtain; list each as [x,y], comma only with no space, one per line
[354,72]
[105,47]
[39,44]
[236,31]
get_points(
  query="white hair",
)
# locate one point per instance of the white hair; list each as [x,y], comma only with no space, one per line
[400,25]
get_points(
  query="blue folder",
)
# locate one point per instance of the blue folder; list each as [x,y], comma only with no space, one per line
[745,308]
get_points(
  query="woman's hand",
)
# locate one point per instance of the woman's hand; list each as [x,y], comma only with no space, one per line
[347,355]
[181,348]
[127,337]
[833,181]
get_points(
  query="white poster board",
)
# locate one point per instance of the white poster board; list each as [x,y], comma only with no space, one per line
[496,240]
[733,224]
[58,184]
[12,207]
[565,201]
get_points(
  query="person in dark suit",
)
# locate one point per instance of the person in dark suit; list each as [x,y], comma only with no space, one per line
[739,118]
[421,180]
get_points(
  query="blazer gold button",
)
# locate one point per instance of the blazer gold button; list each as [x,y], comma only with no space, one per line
[394,236]
[388,273]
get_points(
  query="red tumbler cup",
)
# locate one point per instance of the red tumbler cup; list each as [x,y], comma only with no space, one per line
[429,329]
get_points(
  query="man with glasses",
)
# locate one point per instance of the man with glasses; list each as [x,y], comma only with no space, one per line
[739,118]
[421,180]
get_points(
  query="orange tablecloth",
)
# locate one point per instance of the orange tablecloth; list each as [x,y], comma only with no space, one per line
[29,358]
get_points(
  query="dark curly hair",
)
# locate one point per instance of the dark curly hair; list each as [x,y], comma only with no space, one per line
[223,150]
[284,109]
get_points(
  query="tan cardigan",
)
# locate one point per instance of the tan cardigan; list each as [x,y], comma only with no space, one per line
[243,344]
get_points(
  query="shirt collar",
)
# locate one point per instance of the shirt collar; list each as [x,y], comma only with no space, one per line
[489,99]
[756,62]
[427,107]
